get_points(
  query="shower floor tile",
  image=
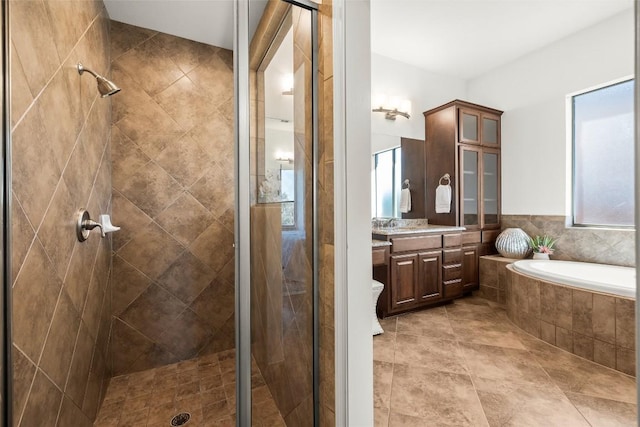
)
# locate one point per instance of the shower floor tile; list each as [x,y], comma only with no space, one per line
[203,387]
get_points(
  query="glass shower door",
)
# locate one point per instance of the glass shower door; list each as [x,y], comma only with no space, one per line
[282,140]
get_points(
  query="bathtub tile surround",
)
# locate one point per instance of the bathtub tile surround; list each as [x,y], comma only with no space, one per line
[172,154]
[594,326]
[603,246]
[493,277]
[495,375]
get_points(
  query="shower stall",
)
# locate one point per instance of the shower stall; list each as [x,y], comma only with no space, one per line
[210,295]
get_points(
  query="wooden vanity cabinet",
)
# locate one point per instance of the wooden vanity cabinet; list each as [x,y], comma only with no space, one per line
[463,140]
[423,270]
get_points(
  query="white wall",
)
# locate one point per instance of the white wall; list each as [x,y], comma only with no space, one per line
[352,124]
[425,89]
[532,92]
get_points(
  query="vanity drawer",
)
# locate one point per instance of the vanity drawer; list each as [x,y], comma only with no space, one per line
[471,237]
[451,272]
[452,240]
[402,244]
[451,256]
[452,288]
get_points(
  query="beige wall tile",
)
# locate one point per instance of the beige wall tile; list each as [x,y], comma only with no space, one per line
[604,318]
[626,360]
[583,346]
[625,323]
[582,321]
[564,308]
[564,339]
[548,332]
[32,36]
[43,402]
[604,353]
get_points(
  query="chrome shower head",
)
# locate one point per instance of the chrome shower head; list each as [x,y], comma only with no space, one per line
[105,86]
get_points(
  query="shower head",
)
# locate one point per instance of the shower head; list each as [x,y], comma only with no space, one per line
[105,86]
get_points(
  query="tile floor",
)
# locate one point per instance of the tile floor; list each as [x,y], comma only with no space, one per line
[203,387]
[466,364]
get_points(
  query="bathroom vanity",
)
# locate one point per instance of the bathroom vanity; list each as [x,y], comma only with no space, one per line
[425,266]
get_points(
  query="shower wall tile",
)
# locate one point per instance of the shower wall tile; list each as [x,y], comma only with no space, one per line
[172,157]
[61,163]
[21,97]
[126,37]
[32,35]
[43,404]
[22,236]
[58,350]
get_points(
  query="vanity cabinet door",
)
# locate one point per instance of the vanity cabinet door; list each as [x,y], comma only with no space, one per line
[470,266]
[470,187]
[430,277]
[469,126]
[404,280]
[490,188]
[490,130]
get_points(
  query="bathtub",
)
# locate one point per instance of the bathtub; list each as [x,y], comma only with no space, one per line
[608,279]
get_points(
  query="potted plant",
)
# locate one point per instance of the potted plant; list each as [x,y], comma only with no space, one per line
[542,246]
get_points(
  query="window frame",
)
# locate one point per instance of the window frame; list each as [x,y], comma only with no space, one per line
[571,150]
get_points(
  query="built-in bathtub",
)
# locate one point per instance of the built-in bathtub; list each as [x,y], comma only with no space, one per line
[587,309]
[608,279]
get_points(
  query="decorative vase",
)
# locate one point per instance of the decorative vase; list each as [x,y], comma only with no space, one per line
[540,255]
[513,243]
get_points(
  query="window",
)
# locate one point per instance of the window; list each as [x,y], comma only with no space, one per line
[386,191]
[603,156]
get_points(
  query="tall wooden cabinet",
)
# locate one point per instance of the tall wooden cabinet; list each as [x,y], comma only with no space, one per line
[463,140]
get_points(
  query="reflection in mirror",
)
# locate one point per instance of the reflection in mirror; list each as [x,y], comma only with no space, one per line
[283,235]
[386,184]
[276,164]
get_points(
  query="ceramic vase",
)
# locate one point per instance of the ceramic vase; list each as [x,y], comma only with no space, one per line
[540,255]
[513,243]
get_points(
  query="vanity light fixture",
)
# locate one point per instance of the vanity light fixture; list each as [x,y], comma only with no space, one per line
[396,107]
[284,157]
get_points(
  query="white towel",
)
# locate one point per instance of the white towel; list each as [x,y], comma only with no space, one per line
[443,199]
[405,200]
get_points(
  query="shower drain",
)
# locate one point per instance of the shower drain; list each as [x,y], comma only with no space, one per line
[180,419]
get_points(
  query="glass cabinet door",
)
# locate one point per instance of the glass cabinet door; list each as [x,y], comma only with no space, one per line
[490,187]
[470,206]
[490,130]
[469,126]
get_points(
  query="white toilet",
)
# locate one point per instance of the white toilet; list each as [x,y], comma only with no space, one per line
[377,288]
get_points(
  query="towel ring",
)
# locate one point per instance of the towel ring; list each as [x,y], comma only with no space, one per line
[446,177]
[405,184]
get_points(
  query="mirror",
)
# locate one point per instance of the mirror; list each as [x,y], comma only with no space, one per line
[276,160]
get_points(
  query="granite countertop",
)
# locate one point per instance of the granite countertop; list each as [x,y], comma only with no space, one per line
[431,228]
[375,243]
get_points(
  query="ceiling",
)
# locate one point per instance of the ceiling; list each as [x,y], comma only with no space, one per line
[464,38]
[467,38]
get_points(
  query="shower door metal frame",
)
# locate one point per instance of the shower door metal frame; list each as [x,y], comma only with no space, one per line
[5,263]
[242,104]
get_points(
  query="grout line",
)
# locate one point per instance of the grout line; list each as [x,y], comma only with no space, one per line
[62,62]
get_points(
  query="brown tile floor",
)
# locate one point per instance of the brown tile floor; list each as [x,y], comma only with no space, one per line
[203,387]
[466,364]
